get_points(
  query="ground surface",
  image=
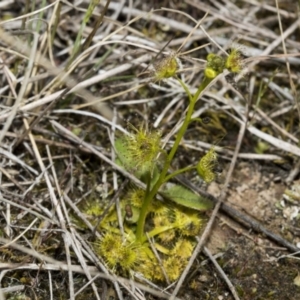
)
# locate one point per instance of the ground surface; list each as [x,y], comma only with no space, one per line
[250,260]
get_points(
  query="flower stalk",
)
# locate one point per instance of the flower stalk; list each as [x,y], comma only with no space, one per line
[162,178]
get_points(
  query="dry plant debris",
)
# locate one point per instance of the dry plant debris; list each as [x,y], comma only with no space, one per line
[74,74]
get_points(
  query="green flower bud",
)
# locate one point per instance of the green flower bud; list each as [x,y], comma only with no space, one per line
[166,68]
[234,62]
[215,66]
[207,164]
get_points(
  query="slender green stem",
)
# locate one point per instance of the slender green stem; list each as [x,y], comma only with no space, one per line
[183,170]
[186,89]
[206,81]
[149,195]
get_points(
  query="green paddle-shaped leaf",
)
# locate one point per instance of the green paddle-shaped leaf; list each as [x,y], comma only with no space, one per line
[187,198]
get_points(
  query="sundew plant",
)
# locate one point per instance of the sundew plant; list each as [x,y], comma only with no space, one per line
[161,221]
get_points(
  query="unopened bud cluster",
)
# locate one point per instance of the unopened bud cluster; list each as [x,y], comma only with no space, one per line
[166,68]
[217,64]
